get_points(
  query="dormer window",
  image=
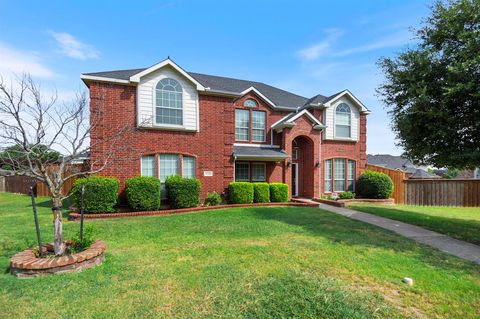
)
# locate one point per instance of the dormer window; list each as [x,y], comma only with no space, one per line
[169,102]
[343,121]
[250,103]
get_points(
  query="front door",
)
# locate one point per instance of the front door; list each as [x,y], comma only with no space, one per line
[294,179]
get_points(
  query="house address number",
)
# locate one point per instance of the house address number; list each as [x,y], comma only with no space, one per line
[207,173]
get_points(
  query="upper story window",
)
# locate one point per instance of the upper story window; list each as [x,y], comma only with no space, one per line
[250,103]
[256,132]
[343,121]
[258,126]
[169,102]
[242,125]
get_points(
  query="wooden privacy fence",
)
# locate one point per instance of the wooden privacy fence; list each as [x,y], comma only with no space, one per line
[19,184]
[397,177]
[443,192]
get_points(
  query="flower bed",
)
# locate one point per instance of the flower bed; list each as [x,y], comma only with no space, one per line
[76,216]
[342,202]
[25,264]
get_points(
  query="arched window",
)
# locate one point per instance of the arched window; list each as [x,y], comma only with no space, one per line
[343,121]
[250,103]
[169,102]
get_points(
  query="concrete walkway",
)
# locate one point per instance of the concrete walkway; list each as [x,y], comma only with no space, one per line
[441,242]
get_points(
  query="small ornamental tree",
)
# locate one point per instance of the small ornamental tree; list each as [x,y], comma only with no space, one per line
[33,124]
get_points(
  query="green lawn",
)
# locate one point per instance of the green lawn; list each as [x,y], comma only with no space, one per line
[257,262]
[458,222]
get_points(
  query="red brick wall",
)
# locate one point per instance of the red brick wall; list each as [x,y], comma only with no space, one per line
[213,144]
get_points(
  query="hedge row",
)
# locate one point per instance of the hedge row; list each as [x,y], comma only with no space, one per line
[245,192]
[143,193]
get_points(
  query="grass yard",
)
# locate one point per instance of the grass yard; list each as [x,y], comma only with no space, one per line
[278,262]
[458,222]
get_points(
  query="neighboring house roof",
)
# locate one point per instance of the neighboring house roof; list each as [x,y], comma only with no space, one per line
[212,83]
[258,153]
[469,174]
[392,162]
[420,174]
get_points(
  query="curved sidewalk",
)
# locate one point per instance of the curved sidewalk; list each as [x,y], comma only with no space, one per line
[439,241]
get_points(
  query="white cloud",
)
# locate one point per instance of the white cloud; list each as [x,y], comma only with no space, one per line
[394,40]
[15,61]
[74,48]
[321,48]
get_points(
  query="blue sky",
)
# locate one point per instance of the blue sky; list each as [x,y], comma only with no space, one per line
[307,47]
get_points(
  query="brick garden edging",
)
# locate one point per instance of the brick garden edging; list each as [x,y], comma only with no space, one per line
[76,216]
[25,264]
[342,202]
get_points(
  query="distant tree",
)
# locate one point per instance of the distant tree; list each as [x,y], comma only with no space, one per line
[451,173]
[33,125]
[432,91]
[13,157]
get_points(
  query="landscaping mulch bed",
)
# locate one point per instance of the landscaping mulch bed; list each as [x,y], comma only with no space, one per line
[76,216]
[25,264]
[342,202]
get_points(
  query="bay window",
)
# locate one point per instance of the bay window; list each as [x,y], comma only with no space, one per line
[148,165]
[188,166]
[339,175]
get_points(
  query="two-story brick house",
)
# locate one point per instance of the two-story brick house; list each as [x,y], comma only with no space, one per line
[221,129]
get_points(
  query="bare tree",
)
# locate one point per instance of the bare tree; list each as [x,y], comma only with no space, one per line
[38,124]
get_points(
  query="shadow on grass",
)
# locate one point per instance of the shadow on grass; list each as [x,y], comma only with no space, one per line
[463,229]
[47,203]
[350,232]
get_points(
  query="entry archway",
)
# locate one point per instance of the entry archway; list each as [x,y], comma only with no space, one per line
[303,167]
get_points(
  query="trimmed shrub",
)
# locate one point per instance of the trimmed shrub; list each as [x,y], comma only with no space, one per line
[101,194]
[213,199]
[261,193]
[374,185]
[143,193]
[278,192]
[183,192]
[240,193]
[346,195]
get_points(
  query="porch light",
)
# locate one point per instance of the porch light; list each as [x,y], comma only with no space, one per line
[317,164]
[289,163]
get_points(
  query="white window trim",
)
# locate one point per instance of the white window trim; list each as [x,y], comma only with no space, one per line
[167,126]
[264,128]
[248,127]
[194,165]
[331,176]
[350,138]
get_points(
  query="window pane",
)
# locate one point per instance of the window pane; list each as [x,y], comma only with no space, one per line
[258,172]
[351,176]
[339,173]
[169,102]
[148,165]
[188,167]
[168,166]
[258,126]
[242,125]
[242,173]
[342,131]
[328,176]
[250,103]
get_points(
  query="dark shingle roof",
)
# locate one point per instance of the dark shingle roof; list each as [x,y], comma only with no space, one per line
[219,83]
[420,173]
[392,162]
[259,152]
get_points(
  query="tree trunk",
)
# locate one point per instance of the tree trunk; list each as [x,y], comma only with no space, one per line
[58,244]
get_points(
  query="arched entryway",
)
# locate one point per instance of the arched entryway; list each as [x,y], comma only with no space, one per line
[303,167]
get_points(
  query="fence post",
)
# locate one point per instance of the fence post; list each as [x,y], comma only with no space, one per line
[37,228]
[81,212]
